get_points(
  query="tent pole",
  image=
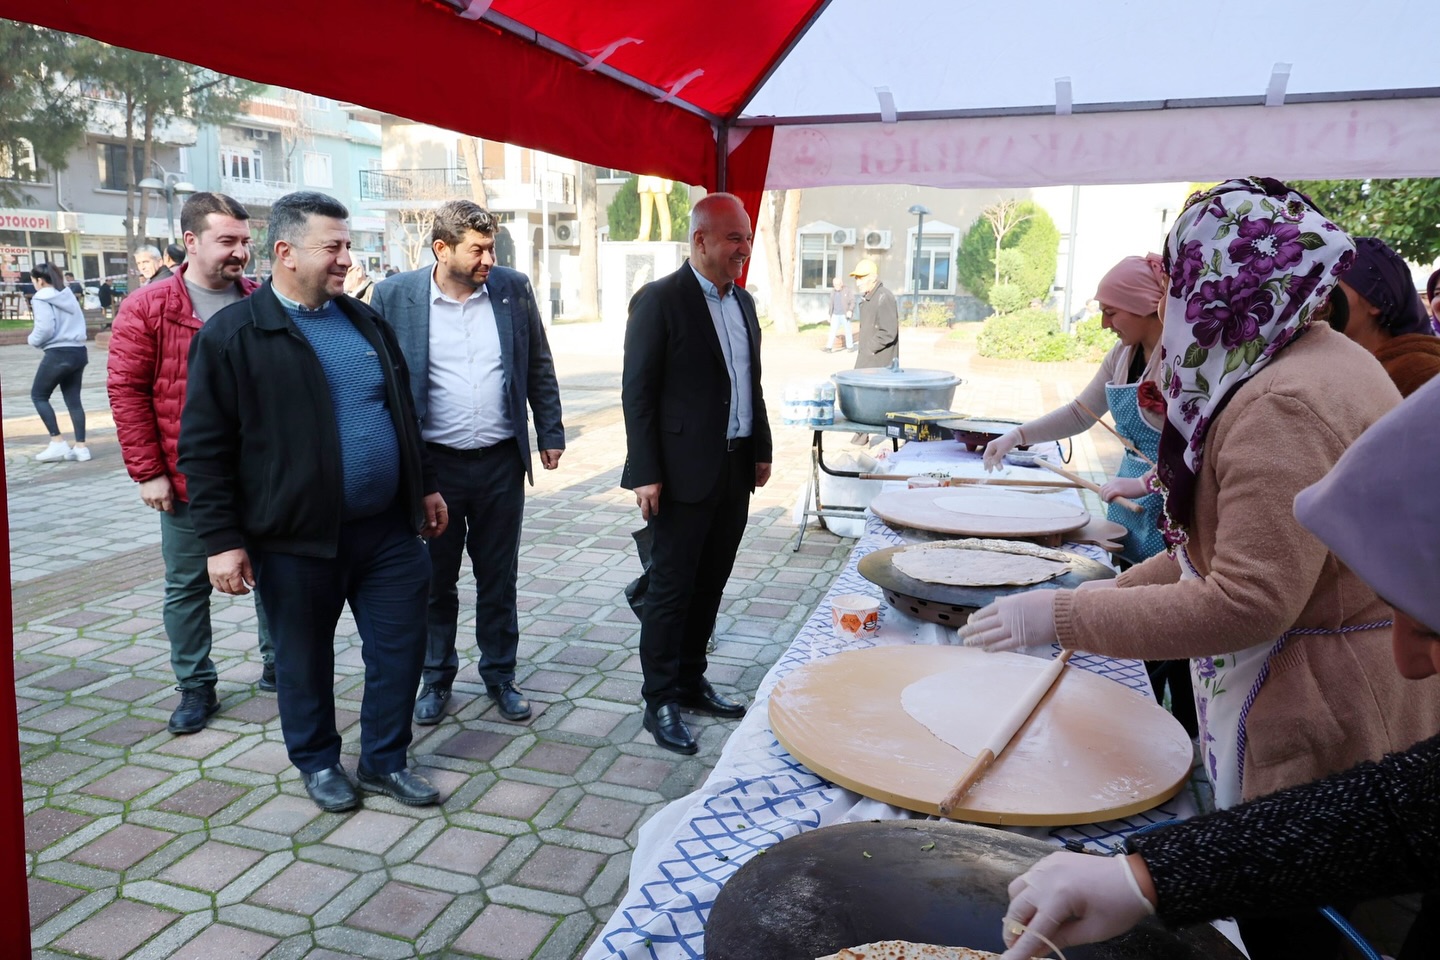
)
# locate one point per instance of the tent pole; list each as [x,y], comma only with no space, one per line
[722,155]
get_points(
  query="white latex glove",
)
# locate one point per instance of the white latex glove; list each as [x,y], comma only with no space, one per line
[1072,898]
[1132,488]
[1012,623]
[996,449]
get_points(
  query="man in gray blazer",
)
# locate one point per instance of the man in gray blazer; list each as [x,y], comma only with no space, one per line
[477,351]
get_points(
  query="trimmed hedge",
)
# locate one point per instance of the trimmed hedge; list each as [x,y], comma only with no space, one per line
[1035,334]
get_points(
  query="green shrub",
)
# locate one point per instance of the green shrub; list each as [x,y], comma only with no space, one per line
[1092,340]
[624,213]
[1037,239]
[1007,297]
[1030,334]
[934,313]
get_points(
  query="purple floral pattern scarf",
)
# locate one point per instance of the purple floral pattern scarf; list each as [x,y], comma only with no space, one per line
[1250,261]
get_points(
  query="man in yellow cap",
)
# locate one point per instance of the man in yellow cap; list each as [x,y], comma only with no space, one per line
[879,318]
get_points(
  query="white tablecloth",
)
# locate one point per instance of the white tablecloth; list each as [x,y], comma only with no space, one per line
[758,794]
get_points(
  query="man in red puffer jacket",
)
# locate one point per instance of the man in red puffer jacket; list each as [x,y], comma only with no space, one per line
[149,359]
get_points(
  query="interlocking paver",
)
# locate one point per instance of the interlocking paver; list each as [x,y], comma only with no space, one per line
[126,783]
[122,847]
[127,732]
[302,887]
[203,798]
[605,816]
[56,767]
[505,933]
[211,866]
[560,869]
[462,851]
[232,943]
[116,930]
[284,814]
[400,910]
[474,745]
[48,899]
[47,824]
[371,831]
[555,758]
[514,799]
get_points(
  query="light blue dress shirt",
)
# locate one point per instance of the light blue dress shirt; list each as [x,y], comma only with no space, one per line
[730,327]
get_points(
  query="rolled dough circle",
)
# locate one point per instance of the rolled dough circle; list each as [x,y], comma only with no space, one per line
[963,707]
[964,566]
[1024,506]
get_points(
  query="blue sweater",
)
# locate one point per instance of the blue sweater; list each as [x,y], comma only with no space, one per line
[369,450]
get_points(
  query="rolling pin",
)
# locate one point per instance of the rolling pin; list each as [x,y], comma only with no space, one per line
[979,481]
[1005,732]
[1128,504]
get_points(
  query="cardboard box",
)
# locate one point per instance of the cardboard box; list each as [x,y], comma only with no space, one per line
[920,424]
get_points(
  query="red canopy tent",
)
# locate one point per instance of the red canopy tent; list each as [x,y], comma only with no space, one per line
[758,94]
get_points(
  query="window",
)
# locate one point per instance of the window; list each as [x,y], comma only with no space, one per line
[316,103]
[239,164]
[819,261]
[317,170]
[610,173]
[937,259]
[17,161]
[112,166]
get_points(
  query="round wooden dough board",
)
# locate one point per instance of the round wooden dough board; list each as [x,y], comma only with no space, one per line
[935,508]
[1093,750]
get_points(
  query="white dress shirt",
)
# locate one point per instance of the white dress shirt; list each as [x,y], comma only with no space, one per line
[466,407]
[730,327]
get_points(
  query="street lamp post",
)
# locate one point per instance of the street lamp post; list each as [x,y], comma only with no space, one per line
[920,212]
[170,185]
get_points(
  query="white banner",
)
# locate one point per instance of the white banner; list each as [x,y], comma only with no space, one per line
[1376,138]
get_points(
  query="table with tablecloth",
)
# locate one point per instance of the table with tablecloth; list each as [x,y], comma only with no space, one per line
[758,795]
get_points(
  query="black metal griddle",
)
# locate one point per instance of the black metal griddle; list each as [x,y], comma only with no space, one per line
[814,894]
[951,606]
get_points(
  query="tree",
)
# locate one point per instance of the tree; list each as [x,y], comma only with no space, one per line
[589,196]
[779,219]
[415,224]
[151,90]
[470,153]
[623,214]
[1404,213]
[42,114]
[1003,216]
[1036,238]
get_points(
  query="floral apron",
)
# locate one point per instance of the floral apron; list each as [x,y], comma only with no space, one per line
[1142,539]
[1225,689]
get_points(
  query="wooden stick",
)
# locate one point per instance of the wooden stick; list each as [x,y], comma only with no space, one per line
[958,481]
[1005,732]
[1128,504]
[1124,440]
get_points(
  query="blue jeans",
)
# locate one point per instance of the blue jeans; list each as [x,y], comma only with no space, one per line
[61,367]
[382,570]
[187,602]
[840,324]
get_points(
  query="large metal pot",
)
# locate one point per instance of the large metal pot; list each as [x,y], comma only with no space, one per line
[866,395]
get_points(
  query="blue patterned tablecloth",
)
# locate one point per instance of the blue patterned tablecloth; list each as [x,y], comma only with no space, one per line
[758,794]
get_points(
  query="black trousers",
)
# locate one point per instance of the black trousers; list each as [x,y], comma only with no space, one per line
[382,571]
[693,550]
[485,495]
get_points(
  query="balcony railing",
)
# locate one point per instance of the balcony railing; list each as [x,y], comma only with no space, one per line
[442,183]
[255,191]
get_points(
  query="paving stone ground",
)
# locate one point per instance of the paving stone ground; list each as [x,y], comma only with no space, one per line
[146,846]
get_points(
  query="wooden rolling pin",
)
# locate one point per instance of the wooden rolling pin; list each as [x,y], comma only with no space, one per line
[1128,504]
[979,481]
[1005,732]
[1125,441]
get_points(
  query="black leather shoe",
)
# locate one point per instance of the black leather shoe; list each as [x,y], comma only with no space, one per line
[669,730]
[512,703]
[197,706]
[331,789]
[430,707]
[409,788]
[706,700]
[267,678]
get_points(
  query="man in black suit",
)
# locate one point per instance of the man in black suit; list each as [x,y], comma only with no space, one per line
[698,444]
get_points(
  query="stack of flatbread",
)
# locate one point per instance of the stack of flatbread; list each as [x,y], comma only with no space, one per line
[905,950]
[981,563]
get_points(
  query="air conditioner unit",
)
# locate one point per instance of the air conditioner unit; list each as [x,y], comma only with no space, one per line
[565,233]
[844,237]
[252,134]
[70,222]
[877,239]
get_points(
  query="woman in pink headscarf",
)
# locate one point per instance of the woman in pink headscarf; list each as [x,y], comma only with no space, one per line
[1125,385]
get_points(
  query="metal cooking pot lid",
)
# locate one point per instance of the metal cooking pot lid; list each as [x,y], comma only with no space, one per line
[885,377]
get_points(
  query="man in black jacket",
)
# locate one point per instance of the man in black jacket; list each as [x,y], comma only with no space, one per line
[698,444]
[308,480]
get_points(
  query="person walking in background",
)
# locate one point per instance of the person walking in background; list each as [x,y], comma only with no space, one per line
[477,353]
[60,332]
[879,318]
[697,445]
[149,370]
[840,303]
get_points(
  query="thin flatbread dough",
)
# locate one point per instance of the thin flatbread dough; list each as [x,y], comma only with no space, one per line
[962,707]
[1021,506]
[968,564]
[905,950]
